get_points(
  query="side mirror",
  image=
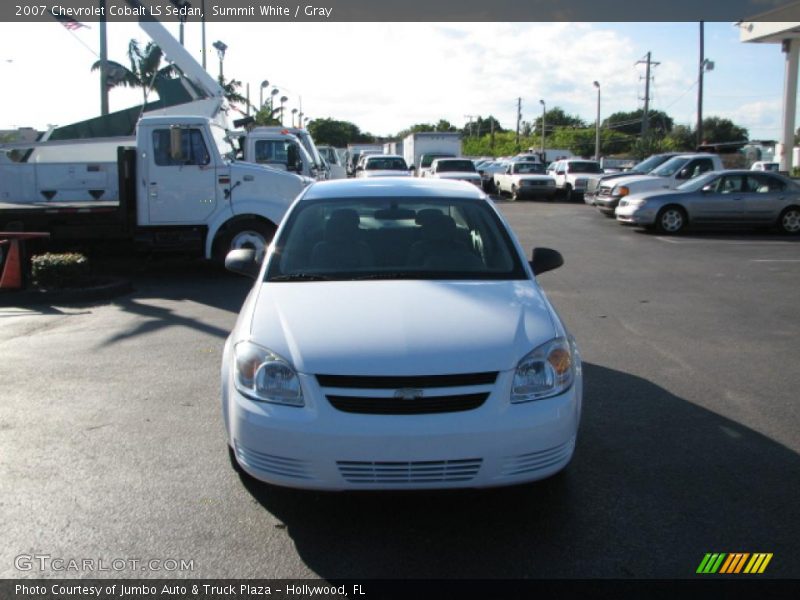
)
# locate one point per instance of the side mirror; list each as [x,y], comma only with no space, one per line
[359,168]
[243,262]
[176,144]
[411,167]
[545,259]
[292,158]
[684,174]
[708,188]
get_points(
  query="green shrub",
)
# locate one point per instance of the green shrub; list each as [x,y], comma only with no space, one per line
[66,270]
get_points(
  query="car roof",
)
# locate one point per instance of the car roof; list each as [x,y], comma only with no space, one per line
[368,156]
[388,187]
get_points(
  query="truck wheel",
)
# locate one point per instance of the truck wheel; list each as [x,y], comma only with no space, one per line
[671,220]
[249,233]
[568,193]
[514,193]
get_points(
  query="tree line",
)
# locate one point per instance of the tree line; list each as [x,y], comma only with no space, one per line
[620,132]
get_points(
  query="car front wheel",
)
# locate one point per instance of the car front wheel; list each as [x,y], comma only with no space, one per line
[671,220]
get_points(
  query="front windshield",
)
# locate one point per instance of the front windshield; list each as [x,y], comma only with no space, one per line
[394,238]
[528,168]
[672,166]
[223,143]
[585,167]
[386,164]
[462,166]
[427,159]
[648,164]
[697,183]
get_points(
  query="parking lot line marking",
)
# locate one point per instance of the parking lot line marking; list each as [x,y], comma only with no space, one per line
[775,260]
[725,242]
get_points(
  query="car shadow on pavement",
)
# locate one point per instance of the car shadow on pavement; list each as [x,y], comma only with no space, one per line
[656,482]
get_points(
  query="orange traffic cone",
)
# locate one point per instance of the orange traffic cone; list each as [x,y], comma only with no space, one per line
[11,278]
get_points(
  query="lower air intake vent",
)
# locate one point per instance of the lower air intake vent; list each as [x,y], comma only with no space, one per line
[438,471]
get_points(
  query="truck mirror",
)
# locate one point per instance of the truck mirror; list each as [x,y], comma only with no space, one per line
[176,144]
[292,158]
[411,167]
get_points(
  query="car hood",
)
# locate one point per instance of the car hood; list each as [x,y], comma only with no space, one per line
[457,175]
[532,177]
[640,182]
[385,173]
[401,327]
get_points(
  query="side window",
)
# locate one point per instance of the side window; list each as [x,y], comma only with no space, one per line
[696,167]
[193,149]
[763,184]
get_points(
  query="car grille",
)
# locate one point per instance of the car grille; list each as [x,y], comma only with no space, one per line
[591,188]
[429,471]
[402,406]
[411,393]
[604,190]
[405,381]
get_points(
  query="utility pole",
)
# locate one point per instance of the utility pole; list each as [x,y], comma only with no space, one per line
[700,89]
[491,124]
[469,123]
[519,118]
[645,119]
[103,60]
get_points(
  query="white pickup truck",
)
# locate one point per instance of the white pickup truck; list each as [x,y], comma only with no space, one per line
[572,176]
[525,180]
[459,169]
[669,175]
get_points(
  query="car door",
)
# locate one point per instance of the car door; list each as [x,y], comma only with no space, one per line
[505,178]
[180,188]
[765,198]
[720,201]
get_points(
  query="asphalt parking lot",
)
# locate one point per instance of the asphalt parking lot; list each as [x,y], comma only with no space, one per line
[112,445]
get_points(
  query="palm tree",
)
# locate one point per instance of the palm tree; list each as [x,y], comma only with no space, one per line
[231,91]
[144,71]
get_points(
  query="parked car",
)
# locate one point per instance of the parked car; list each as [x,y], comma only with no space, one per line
[426,161]
[669,175]
[572,176]
[383,165]
[461,169]
[525,180]
[763,165]
[642,168]
[735,197]
[396,338]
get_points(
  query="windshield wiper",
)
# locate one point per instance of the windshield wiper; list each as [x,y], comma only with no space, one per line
[300,277]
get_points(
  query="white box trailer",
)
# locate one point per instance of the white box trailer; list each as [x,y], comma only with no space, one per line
[421,146]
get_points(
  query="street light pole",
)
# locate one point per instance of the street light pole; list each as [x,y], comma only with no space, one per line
[264,84]
[544,112]
[597,125]
[220,47]
[283,99]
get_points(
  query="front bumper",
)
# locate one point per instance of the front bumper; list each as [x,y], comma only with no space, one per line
[635,215]
[536,191]
[320,447]
[607,204]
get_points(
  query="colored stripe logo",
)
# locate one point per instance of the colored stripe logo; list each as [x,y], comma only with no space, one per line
[734,563]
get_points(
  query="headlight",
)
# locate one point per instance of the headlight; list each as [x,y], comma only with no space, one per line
[547,371]
[637,202]
[620,190]
[262,375]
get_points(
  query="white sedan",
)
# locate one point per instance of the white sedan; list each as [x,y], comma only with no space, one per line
[396,338]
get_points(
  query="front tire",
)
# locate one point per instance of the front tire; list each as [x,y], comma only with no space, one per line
[247,233]
[568,193]
[671,220]
[789,221]
[514,193]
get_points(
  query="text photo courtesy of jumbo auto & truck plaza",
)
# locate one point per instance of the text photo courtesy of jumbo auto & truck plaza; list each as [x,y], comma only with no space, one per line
[418,362]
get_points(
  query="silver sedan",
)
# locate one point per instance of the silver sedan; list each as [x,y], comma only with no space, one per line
[718,198]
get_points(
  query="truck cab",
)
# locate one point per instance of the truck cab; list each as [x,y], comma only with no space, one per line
[305,139]
[279,150]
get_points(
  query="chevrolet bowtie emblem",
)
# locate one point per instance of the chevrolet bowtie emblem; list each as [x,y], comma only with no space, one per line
[408,394]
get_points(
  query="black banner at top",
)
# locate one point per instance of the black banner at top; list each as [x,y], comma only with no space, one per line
[400,11]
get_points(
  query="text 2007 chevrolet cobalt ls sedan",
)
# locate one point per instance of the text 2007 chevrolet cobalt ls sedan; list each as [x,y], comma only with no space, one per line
[396,338]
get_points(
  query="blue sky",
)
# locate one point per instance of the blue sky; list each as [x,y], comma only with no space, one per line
[385,77]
